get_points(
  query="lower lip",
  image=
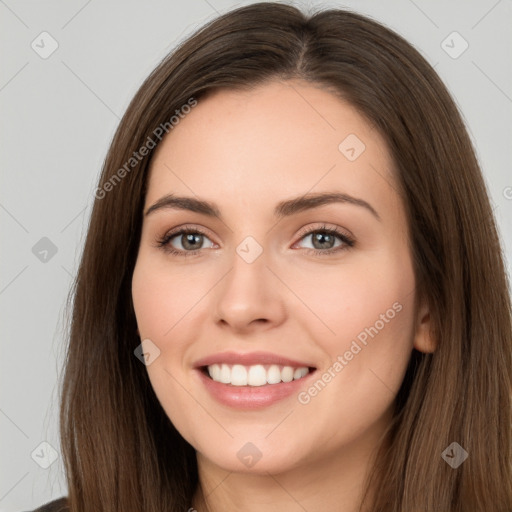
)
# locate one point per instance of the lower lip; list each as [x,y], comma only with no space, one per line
[252,397]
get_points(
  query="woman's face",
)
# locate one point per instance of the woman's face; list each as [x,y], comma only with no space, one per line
[272,277]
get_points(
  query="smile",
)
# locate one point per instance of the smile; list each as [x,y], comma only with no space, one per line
[254,375]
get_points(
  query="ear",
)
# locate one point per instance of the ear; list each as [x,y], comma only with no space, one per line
[423,339]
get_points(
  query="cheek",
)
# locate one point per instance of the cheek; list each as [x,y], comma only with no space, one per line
[162,296]
[163,301]
[149,301]
[346,300]
[366,333]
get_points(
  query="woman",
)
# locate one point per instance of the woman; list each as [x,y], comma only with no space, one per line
[215,361]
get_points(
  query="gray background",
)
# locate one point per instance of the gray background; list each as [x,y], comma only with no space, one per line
[58,117]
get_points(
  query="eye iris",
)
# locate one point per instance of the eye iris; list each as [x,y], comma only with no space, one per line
[191,237]
[321,237]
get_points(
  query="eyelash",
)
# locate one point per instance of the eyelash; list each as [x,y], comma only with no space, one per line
[348,241]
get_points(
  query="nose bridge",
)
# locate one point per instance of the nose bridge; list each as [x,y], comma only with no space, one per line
[249,290]
[247,278]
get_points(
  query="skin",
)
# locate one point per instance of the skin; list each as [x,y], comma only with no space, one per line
[246,151]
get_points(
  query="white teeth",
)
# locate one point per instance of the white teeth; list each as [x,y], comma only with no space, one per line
[287,374]
[297,374]
[238,375]
[273,375]
[225,374]
[255,375]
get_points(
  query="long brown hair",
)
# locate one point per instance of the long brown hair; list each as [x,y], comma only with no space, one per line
[121,451]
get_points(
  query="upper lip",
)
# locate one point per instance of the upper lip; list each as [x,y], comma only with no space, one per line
[249,359]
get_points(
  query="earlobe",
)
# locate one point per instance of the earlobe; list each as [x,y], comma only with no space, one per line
[423,339]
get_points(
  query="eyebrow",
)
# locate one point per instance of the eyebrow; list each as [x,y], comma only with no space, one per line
[282,209]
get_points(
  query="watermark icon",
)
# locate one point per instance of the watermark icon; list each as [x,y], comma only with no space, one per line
[507,193]
[249,454]
[144,150]
[44,250]
[454,455]
[147,352]
[44,455]
[249,249]
[351,147]
[304,397]
[44,45]
[454,45]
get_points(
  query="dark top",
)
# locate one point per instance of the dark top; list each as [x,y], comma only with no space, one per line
[59,505]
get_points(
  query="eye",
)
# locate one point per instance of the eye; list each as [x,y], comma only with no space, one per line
[190,239]
[323,240]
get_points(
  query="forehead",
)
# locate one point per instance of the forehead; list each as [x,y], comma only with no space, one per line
[275,140]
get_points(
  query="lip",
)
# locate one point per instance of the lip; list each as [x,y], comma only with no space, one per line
[252,397]
[249,359]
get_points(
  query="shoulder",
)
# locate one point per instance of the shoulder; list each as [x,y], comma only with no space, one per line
[58,505]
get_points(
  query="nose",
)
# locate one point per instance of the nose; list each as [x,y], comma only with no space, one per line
[250,296]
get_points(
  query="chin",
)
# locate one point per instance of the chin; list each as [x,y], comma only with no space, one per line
[257,458]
